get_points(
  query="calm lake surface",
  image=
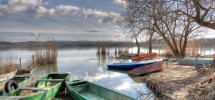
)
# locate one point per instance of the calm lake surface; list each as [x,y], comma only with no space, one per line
[89,63]
[86,63]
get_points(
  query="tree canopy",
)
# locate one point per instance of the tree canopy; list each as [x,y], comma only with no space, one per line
[167,18]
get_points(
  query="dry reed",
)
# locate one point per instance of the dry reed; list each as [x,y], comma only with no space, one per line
[7,66]
[204,90]
[46,56]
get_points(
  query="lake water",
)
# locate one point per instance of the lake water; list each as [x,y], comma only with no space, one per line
[86,63]
[90,64]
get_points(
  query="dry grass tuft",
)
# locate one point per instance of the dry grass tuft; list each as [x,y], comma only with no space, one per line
[204,90]
[7,66]
[46,56]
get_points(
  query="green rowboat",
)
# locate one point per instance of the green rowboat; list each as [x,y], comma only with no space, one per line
[7,76]
[84,90]
[45,88]
[20,77]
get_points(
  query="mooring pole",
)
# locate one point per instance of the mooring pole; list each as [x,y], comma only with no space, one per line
[33,61]
[20,62]
[197,61]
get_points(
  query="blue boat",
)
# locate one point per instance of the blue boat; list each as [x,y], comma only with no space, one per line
[194,61]
[131,65]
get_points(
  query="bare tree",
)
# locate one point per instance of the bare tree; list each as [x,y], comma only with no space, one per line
[158,17]
[135,27]
[129,24]
[201,11]
[151,33]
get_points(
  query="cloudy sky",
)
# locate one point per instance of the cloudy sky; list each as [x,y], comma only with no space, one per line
[24,20]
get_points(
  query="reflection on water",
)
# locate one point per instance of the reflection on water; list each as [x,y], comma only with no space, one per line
[89,64]
[101,55]
[41,71]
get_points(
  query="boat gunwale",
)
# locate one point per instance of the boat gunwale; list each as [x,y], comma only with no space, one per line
[67,84]
[12,73]
[21,80]
[41,92]
[132,71]
[137,62]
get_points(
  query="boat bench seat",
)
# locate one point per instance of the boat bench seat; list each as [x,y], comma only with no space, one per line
[21,76]
[52,80]
[11,97]
[34,88]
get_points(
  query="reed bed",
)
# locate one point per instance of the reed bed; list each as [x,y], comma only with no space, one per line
[45,56]
[7,66]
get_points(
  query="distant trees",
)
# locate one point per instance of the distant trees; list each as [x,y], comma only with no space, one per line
[161,17]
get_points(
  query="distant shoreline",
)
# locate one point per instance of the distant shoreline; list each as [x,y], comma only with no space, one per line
[33,44]
[64,44]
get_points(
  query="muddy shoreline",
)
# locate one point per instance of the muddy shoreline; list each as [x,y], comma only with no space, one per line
[180,82]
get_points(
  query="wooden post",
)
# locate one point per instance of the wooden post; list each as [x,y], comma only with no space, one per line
[159,51]
[197,57]
[33,60]
[20,62]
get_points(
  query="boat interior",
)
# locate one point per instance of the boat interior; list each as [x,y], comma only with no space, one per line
[43,84]
[92,91]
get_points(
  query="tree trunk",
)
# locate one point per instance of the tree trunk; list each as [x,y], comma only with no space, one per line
[150,43]
[138,46]
[183,52]
[175,52]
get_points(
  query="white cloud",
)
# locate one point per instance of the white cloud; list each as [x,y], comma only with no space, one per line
[14,6]
[59,10]
[112,17]
[120,2]
[3,8]
[21,5]
[64,9]
[103,16]
[41,11]
[89,13]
